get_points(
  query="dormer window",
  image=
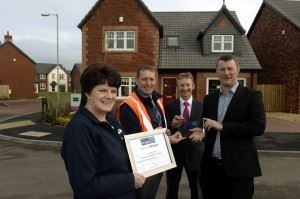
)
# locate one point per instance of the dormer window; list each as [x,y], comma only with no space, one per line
[172,41]
[222,43]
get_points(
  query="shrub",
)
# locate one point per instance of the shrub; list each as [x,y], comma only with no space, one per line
[57,108]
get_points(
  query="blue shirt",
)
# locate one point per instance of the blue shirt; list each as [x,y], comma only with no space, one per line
[224,101]
[96,158]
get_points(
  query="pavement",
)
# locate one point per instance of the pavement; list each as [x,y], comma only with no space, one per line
[21,122]
[279,151]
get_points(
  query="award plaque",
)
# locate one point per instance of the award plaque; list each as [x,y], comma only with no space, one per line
[150,152]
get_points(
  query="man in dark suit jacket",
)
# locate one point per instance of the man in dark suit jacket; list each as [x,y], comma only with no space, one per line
[232,116]
[184,115]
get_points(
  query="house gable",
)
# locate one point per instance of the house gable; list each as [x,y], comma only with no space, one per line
[16,70]
[15,48]
[222,25]
[276,43]
[105,16]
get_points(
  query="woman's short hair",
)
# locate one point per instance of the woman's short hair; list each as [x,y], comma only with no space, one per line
[95,74]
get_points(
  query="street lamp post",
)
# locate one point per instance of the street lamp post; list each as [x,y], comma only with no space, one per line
[57,54]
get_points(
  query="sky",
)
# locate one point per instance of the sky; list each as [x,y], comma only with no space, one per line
[36,35]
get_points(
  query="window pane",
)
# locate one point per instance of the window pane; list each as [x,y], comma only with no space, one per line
[227,46]
[120,35]
[217,46]
[120,43]
[124,81]
[241,82]
[130,35]
[130,43]
[110,35]
[124,91]
[133,81]
[217,38]
[110,43]
[228,38]
[213,85]
[172,41]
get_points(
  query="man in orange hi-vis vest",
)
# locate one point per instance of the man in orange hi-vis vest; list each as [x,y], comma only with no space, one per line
[143,111]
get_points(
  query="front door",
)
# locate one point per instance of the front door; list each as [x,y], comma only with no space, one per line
[169,89]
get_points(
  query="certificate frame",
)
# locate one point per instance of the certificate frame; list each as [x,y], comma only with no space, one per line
[161,146]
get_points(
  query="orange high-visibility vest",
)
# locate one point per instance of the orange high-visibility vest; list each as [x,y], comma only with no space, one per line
[140,111]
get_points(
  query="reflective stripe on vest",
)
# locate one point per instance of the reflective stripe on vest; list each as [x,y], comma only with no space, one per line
[141,111]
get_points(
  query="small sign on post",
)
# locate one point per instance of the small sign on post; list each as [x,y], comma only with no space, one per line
[75,102]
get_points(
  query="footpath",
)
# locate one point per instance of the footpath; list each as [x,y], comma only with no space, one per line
[21,121]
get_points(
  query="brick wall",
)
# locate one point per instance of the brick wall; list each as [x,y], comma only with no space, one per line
[17,71]
[276,44]
[75,80]
[106,16]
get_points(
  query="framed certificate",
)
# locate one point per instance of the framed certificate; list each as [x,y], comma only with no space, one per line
[150,152]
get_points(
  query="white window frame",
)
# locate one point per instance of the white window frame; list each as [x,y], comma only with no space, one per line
[127,35]
[222,42]
[131,84]
[215,78]
[42,76]
[43,86]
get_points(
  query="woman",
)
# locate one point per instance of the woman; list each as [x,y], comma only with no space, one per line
[93,147]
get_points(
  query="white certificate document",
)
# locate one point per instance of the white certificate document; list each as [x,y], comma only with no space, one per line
[150,152]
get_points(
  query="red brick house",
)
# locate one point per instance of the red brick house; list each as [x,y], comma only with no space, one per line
[126,34]
[16,69]
[275,38]
[75,78]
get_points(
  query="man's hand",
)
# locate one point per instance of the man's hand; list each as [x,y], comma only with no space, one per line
[139,180]
[209,123]
[197,135]
[176,137]
[177,121]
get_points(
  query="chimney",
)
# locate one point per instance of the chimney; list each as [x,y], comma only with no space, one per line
[7,37]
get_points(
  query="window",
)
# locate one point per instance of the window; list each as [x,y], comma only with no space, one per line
[172,41]
[42,86]
[120,40]
[42,76]
[213,84]
[53,76]
[61,76]
[127,86]
[222,43]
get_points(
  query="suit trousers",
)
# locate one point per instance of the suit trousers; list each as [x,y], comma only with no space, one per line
[216,184]
[173,180]
[150,187]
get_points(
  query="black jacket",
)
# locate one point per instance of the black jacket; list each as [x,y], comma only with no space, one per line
[244,119]
[96,158]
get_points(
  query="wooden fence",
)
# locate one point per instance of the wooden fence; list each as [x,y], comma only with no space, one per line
[273,97]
